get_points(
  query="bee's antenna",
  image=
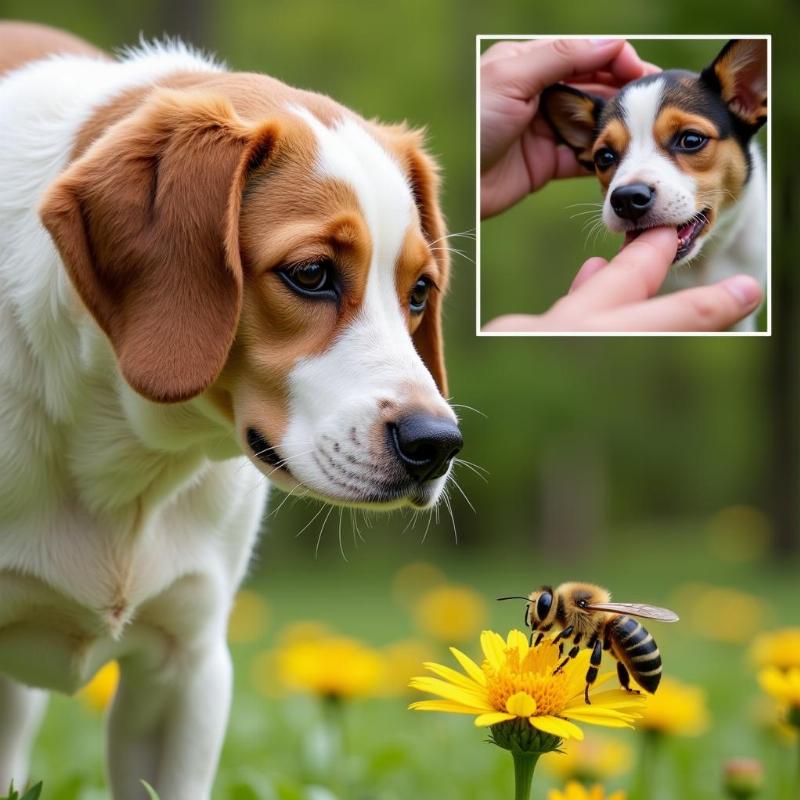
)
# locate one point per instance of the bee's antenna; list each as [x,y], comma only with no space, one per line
[515,597]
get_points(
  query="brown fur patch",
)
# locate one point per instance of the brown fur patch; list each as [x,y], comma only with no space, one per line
[616,136]
[671,120]
[742,73]
[572,114]
[22,42]
[719,169]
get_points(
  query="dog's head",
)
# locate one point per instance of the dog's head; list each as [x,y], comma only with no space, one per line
[289,270]
[670,149]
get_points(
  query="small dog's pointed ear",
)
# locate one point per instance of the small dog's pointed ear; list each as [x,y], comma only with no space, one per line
[739,74]
[573,115]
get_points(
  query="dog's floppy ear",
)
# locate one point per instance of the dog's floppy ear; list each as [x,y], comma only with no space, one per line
[423,177]
[146,223]
[573,116]
[739,74]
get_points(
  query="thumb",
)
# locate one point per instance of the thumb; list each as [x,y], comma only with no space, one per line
[545,63]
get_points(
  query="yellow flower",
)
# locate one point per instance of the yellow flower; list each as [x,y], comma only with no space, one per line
[779,649]
[402,660]
[575,791]
[743,618]
[413,580]
[99,692]
[676,709]
[784,686]
[450,613]
[593,759]
[517,681]
[248,619]
[327,665]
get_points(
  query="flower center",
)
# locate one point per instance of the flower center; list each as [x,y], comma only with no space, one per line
[532,675]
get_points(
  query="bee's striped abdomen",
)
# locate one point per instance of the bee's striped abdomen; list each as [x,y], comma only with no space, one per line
[638,651]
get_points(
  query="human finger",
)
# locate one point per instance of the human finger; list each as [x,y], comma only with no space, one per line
[528,70]
[634,274]
[705,308]
[589,268]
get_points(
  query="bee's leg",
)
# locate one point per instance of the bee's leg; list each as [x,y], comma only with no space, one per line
[563,634]
[625,678]
[597,656]
[541,634]
[526,618]
[572,653]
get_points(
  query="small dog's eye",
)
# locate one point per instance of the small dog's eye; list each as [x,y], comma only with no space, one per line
[605,158]
[418,298]
[315,280]
[690,141]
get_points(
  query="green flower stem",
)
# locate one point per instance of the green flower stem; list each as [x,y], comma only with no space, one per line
[797,774]
[648,759]
[524,767]
[334,721]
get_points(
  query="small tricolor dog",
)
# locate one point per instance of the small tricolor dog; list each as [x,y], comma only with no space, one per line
[676,149]
[206,278]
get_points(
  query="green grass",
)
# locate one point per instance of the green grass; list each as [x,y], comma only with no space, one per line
[278,748]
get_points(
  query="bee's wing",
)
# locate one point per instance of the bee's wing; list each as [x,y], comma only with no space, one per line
[637,610]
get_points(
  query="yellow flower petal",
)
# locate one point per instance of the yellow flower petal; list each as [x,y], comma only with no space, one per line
[493,718]
[451,675]
[450,692]
[494,648]
[617,698]
[521,705]
[518,641]
[441,705]
[469,666]
[606,722]
[558,727]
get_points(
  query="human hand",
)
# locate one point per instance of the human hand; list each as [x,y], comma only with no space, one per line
[519,151]
[618,296]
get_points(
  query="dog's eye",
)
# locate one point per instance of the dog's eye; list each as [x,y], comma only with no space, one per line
[604,158]
[314,280]
[690,141]
[418,298]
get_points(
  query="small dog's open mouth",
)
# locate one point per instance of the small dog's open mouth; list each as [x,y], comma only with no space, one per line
[687,233]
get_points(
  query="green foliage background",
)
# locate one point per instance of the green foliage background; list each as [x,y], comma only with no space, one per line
[605,457]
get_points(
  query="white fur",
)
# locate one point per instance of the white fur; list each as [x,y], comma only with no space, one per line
[126,526]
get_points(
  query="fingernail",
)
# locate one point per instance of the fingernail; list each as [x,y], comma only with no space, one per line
[746,290]
[602,42]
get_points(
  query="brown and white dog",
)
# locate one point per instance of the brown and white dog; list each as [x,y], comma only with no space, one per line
[206,277]
[676,149]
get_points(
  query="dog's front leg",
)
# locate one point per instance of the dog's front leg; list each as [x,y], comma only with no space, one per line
[21,711]
[168,722]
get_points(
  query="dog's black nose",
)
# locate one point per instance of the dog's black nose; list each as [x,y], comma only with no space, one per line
[425,444]
[632,201]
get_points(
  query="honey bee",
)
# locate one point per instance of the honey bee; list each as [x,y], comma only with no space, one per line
[585,612]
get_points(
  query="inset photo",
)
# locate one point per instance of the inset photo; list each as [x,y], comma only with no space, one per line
[623,186]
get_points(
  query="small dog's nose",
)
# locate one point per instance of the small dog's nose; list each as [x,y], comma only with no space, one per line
[425,444]
[632,201]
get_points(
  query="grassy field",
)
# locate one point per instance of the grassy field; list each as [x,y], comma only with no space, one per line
[281,746]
